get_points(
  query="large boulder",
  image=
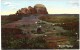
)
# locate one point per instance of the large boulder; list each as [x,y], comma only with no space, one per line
[41,9]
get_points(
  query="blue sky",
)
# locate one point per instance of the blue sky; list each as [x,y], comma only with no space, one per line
[53,6]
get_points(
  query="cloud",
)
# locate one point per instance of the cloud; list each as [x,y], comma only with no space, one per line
[74,2]
[9,4]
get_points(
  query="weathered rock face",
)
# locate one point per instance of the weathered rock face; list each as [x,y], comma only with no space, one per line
[22,11]
[37,9]
[31,10]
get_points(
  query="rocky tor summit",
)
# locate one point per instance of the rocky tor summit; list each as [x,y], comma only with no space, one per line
[37,9]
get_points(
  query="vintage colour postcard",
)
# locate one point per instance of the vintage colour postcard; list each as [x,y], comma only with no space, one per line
[39,24]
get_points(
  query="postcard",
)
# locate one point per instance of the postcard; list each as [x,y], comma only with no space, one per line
[39,24]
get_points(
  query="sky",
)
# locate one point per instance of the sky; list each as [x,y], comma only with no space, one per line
[53,6]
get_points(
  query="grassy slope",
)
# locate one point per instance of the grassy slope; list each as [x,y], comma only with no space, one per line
[9,19]
[60,18]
